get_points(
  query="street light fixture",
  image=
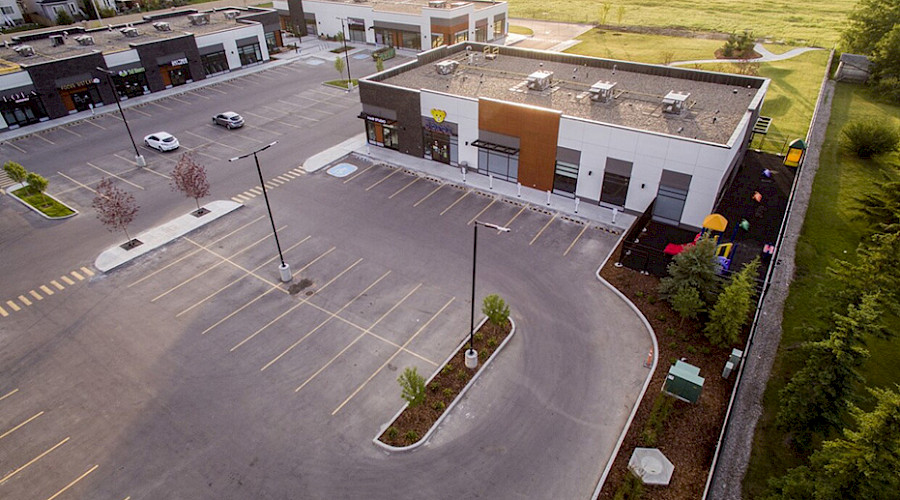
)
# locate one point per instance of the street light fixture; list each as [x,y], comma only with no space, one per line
[283,269]
[138,157]
[471,355]
[346,56]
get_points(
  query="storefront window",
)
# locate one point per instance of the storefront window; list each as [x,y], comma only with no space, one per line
[411,40]
[481,33]
[22,111]
[499,24]
[390,137]
[565,178]
[501,165]
[357,28]
[131,83]
[214,63]
[271,42]
[461,36]
[437,39]
[249,54]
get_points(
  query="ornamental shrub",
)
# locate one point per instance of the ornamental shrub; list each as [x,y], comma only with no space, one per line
[870,137]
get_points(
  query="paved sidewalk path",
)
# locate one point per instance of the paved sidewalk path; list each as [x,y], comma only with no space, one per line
[766,56]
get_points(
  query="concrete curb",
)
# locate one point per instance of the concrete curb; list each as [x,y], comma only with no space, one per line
[637,403]
[322,159]
[456,400]
[20,185]
[164,234]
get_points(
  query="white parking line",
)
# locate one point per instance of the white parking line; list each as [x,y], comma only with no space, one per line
[107,172]
[15,147]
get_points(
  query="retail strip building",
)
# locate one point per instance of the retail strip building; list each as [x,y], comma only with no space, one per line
[51,74]
[616,133]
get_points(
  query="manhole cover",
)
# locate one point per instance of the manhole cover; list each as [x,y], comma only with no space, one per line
[299,286]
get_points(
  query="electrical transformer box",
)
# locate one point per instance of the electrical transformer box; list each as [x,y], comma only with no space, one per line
[684,382]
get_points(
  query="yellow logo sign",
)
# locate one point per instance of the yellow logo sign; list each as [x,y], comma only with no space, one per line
[439,115]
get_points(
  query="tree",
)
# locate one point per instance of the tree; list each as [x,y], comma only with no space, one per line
[732,309]
[816,397]
[870,137]
[495,309]
[620,14]
[868,24]
[16,172]
[339,67]
[875,270]
[861,464]
[412,387]
[379,65]
[604,12]
[880,207]
[37,184]
[115,207]
[189,177]
[63,17]
[887,54]
[686,302]
[695,267]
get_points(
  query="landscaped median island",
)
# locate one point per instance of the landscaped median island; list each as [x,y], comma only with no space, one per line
[30,189]
[428,401]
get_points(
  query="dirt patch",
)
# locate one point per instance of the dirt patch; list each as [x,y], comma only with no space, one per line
[689,434]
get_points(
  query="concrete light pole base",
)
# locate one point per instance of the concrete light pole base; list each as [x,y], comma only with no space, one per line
[471,359]
[139,159]
[285,271]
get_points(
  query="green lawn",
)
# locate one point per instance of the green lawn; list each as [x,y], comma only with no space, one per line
[805,22]
[47,205]
[520,30]
[828,232]
[654,49]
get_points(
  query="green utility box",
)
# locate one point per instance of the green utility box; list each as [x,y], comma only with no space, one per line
[384,53]
[684,382]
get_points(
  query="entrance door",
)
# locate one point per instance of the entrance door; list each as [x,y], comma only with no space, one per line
[440,148]
[616,177]
[671,196]
[178,76]
[82,100]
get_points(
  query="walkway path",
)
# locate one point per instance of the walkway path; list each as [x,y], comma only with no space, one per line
[762,51]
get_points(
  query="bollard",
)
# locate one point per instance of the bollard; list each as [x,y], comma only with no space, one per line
[463,170]
[576,204]
[548,197]
[615,212]
[490,181]
[518,189]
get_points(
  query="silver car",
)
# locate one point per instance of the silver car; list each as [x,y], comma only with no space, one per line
[229,120]
[161,141]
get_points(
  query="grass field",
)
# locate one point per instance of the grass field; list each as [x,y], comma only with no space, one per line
[805,22]
[644,48]
[520,30]
[828,232]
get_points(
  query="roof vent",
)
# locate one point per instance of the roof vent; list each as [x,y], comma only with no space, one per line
[162,26]
[56,40]
[24,50]
[446,67]
[130,32]
[674,102]
[231,14]
[602,91]
[437,4]
[84,40]
[540,80]
[199,19]
[458,4]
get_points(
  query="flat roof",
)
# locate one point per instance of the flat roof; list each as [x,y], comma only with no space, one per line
[413,6]
[108,40]
[712,112]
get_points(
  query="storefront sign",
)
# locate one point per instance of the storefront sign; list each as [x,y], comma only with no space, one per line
[439,115]
[436,127]
[70,86]
[19,97]
[129,72]
[377,119]
[179,62]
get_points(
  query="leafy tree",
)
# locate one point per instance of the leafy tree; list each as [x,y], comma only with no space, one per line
[620,14]
[379,64]
[870,137]
[868,24]
[37,184]
[880,207]
[63,17]
[686,302]
[732,309]
[339,65]
[189,177]
[887,54]
[495,309]
[412,386]
[876,269]
[816,397]
[695,267]
[115,207]
[16,172]
[604,12]
[861,464]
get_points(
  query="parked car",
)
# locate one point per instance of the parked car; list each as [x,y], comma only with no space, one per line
[162,141]
[229,120]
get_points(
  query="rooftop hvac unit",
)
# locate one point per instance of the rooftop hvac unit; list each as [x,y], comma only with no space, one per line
[199,19]
[602,91]
[446,67]
[684,382]
[674,102]
[231,14]
[24,50]
[56,40]
[130,32]
[437,4]
[84,40]
[162,26]
[540,80]
[457,4]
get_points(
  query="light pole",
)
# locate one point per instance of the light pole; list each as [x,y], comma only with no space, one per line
[471,355]
[283,269]
[346,56]
[138,157]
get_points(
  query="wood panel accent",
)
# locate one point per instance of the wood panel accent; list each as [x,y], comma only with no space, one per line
[537,130]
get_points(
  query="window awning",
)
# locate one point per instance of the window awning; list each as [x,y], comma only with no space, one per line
[495,147]
[376,119]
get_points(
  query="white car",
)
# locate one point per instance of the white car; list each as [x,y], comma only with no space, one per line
[161,141]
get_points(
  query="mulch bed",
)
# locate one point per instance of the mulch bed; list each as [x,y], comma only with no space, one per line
[689,434]
[738,55]
[444,388]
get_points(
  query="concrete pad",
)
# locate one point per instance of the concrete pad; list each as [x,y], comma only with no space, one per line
[317,161]
[158,236]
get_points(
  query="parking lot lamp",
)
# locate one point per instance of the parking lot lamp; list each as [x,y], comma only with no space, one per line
[284,269]
[346,56]
[471,355]
[138,157]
